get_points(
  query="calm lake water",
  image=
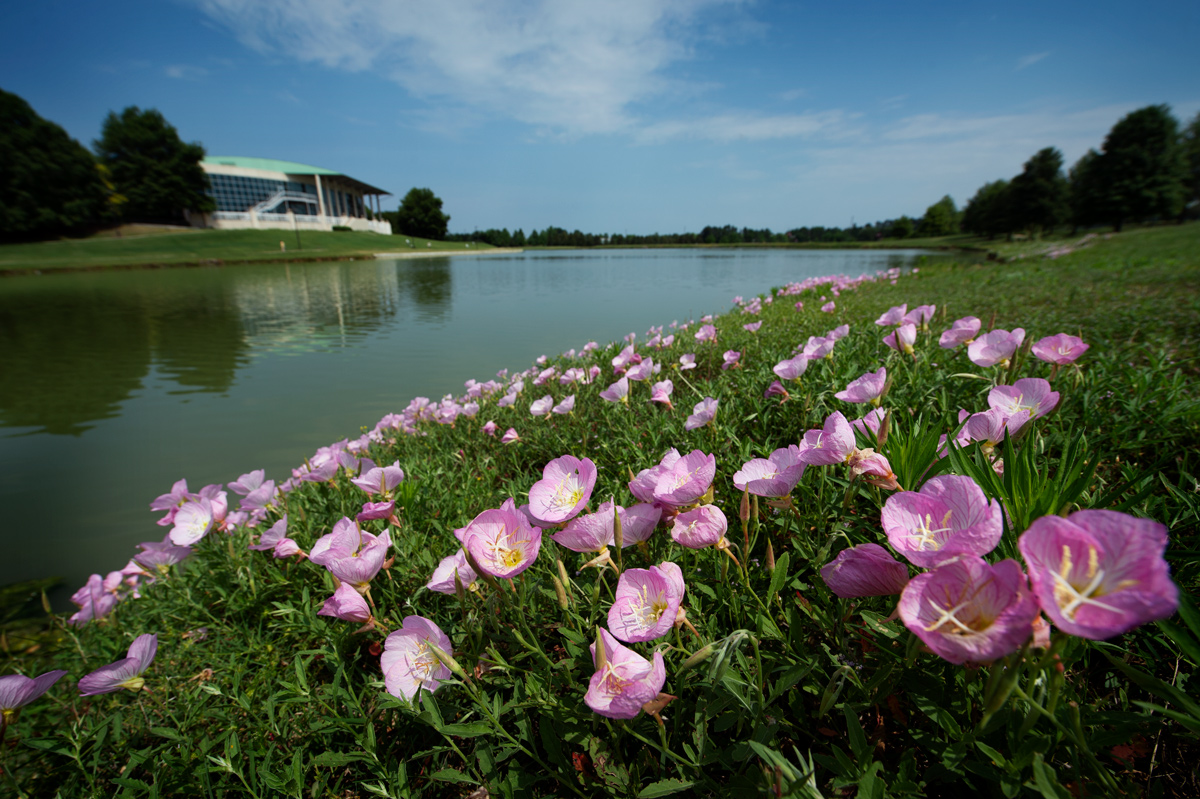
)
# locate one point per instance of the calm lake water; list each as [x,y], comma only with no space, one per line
[113,385]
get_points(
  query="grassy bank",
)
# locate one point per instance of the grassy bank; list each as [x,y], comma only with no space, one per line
[782,688]
[201,247]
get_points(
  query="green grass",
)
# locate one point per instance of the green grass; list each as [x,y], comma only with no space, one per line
[253,694]
[207,247]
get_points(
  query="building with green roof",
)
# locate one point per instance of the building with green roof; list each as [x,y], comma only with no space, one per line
[268,193]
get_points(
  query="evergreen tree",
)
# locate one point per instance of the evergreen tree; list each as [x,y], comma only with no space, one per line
[49,183]
[158,174]
[1086,191]
[1191,152]
[1038,197]
[421,215]
[1142,167]
[987,213]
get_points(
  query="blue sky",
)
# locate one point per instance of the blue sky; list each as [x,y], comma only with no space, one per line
[620,115]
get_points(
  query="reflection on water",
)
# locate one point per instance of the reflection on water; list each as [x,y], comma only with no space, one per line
[113,385]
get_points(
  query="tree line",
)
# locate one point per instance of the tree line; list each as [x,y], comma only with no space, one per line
[139,170]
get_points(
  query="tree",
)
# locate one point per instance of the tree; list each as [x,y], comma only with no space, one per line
[1086,191]
[1038,196]
[49,183]
[1142,167]
[1191,151]
[941,218]
[158,174]
[421,215]
[902,228]
[987,213]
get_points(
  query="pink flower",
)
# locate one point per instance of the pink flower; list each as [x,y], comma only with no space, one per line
[829,307]
[346,604]
[776,389]
[617,392]
[373,511]
[661,392]
[792,368]
[752,327]
[564,489]
[834,443]
[838,333]
[359,567]
[624,680]
[1060,349]
[510,436]
[963,331]
[646,602]
[502,543]
[17,691]
[873,468]
[995,347]
[643,486]
[968,610]
[490,428]
[871,423]
[442,579]
[699,528]
[800,306]
[193,521]
[595,531]
[950,516]
[1099,573]
[125,673]
[378,479]
[920,316]
[731,359]
[542,406]
[868,388]
[687,361]
[1030,394]
[774,476]
[892,316]
[247,482]
[565,407]
[864,570]
[271,536]
[705,412]
[706,333]
[902,338]
[409,663]
[819,347]
[686,480]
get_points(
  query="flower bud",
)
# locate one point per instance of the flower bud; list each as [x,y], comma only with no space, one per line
[699,656]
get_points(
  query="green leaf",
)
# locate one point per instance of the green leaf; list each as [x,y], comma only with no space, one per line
[166,732]
[335,759]
[778,577]
[471,730]
[858,739]
[450,775]
[1046,781]
[995,756]
[664,788]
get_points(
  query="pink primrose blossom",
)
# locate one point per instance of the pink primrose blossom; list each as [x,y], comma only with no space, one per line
[871,424]
[868,388]
[643,371]
[346,604]
[490,428]
[408,661]
[892,316]
[995,347]
[193,521]
[920,316]
[833,443]
[800,305]
[668,341]
[564,407]
[271,536]
[1099,573]
[646,603]
[617,392]
[988,427]
[359,567]
[731,359]
[829,307]
[378,479]
[818,347]
[838,333]
[373,511]
[776,389]
[962,331]
[792,368]
[161,559]
[595,531]
[706,333]
[643,485]
[286,548]
[260,497]
[344,539]
[126,673]
[687,361]
[865,570]
[17,691]
[902,338]
[1060,349]
[624,358]
[752,327]
[705,412]
[949,517]
[591,346]
[571,375]
[442,579]
[502,543]
[247,482]
[874,468]
[625,681]
[970,610]
[564,489]
[774,476]
[661,392]
[1030,394]
[545,375]
[699,528]
[686,480]
[542,406]
[510,436]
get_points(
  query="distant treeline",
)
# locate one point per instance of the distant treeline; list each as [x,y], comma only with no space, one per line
[726,234]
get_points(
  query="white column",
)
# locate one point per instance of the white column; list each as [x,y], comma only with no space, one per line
[320,197]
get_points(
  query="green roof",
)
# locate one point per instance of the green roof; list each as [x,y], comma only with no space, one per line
[268,164]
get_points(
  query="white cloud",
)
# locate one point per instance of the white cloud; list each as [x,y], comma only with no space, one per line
[185,72]
[1030,60]
[572,67]
[747,127]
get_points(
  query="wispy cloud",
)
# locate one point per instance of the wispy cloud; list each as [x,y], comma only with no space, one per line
[186,72]
[575,68]
[1030,60]
[746,127]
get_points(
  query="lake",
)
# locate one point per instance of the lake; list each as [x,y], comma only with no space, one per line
[115,384]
